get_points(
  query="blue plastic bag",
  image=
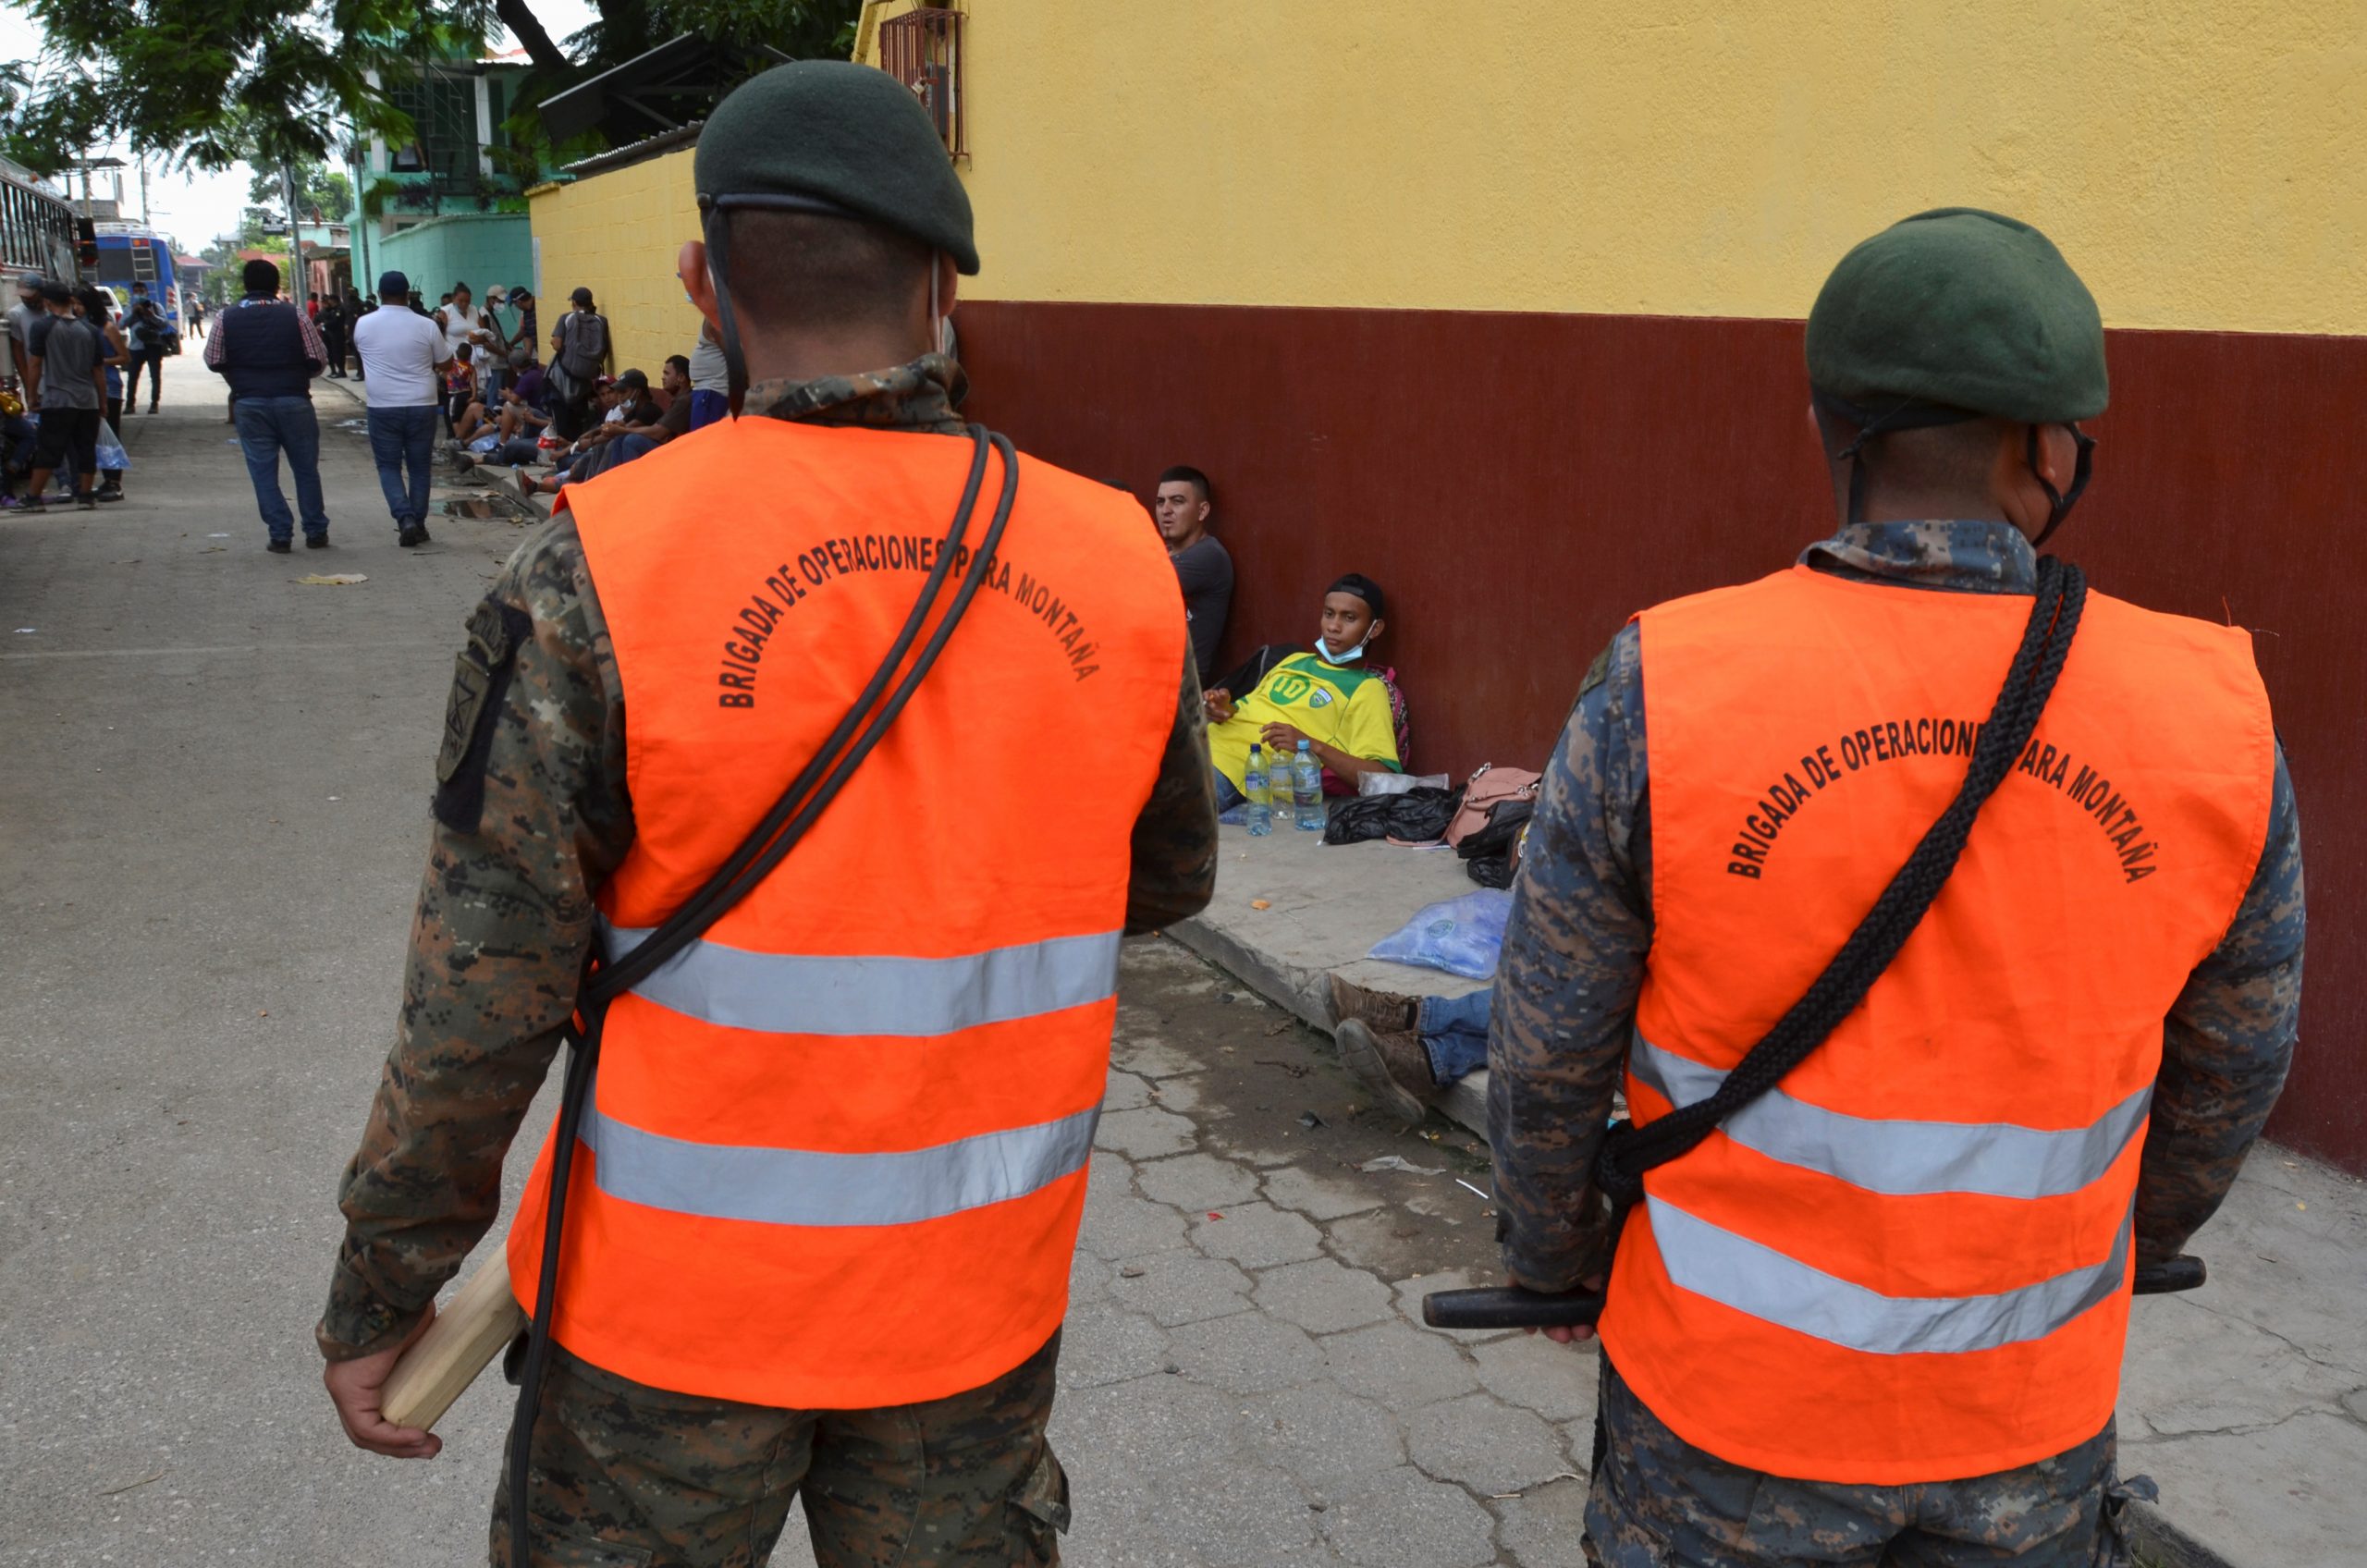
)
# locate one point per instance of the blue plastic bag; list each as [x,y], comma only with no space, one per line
[1463,936]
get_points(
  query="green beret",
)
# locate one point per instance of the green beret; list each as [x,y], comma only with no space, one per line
[842,136]
[1962,308]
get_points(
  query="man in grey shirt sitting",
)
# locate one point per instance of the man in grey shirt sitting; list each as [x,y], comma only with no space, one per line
[1202,564]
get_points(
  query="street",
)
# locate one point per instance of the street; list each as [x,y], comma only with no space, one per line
[213,814]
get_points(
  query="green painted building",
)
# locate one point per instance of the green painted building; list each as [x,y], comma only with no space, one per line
[451,201]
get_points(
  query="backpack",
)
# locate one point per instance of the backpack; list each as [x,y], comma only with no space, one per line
[1486,788]
[585,335]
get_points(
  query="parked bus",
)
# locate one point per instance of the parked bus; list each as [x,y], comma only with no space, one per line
[129,255]
[37,228]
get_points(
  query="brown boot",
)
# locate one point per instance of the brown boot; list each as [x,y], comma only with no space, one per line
[1394,1066]
[1384,1013]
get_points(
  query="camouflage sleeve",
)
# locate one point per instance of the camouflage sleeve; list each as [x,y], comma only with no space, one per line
[531,816]
[1174,847]
[2226,1046]
[1565,989]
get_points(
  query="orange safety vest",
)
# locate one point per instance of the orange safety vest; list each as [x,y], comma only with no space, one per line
[836,1152]
[1910,1261]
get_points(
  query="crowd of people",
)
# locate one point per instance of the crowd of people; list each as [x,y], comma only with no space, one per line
[77,356]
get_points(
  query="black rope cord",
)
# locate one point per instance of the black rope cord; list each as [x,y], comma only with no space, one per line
[1629,1150]
[765,847]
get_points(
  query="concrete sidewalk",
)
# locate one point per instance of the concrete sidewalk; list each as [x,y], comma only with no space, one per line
[2246,1400]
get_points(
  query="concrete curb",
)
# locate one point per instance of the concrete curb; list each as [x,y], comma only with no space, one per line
[343,389]
[1306,992]
[2159,1543]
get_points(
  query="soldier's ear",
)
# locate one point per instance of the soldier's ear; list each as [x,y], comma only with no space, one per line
[690,266]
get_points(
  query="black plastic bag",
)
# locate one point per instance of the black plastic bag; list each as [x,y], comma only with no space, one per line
[1418,817]
[1488,849]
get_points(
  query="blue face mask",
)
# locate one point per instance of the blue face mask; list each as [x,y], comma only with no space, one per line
[1323,651]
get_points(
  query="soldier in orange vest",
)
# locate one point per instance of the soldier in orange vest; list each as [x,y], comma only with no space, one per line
[826,1180]
[1877,1315]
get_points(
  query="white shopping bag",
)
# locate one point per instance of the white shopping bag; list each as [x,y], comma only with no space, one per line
[113,459]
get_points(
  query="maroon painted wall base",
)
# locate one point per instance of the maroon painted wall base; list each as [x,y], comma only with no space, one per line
[1521,483]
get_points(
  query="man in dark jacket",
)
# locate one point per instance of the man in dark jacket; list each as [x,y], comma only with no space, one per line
[269,351]
[332,322]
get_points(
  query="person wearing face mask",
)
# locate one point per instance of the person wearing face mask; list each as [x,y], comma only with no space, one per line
[1329,698]
[1876,1311]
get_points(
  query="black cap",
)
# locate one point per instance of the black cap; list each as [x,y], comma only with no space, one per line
[637,380]
[830,136]
[1364,588]
[53,289]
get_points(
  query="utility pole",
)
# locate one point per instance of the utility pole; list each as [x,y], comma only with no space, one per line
[295,240]
[145,221]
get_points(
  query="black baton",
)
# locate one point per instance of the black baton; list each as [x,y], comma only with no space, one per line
[1510,1306]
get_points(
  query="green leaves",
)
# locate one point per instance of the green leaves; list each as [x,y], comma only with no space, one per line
[208,82]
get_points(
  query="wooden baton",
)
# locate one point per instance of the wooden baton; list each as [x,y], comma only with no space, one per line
[464,1338]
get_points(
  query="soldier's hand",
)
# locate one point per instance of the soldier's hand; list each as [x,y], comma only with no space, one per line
[358,1389]
[1576,1334]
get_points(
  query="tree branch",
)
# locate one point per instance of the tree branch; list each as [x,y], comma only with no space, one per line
[520,19]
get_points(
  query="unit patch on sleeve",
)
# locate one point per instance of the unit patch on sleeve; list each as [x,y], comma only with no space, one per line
[480,679]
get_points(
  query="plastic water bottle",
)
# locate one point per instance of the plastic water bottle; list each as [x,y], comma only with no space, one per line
[1253,784]
[1307,785]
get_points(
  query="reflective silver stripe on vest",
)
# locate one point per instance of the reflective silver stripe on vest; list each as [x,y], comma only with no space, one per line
[1756,1279]
[1902,1158]
[806,1187]
[812,994]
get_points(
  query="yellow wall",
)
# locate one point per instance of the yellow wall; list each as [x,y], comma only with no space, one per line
[617,233]
[2204,163]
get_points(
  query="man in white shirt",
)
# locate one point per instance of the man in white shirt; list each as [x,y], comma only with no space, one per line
[401,354]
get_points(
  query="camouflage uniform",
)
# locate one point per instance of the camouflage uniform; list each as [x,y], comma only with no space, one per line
[531,816]
[627,1474]
[1658,1501]
[1582,924]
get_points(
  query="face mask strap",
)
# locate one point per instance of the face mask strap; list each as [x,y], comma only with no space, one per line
[1907,413]
[719,268]
[715,223]
[2059,506]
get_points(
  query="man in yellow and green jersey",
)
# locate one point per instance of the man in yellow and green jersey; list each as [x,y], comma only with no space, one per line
[1326,698]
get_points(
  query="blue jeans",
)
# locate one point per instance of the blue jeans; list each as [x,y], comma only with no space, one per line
[605,456]
[268,426]
[403,442]
[708,407]
[1455,1033]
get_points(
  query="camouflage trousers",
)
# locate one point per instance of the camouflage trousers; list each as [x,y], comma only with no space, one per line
[1659,1502]
[625,1476]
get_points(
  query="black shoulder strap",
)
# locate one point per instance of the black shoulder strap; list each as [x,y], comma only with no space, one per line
[1629,1150]
[808,795]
